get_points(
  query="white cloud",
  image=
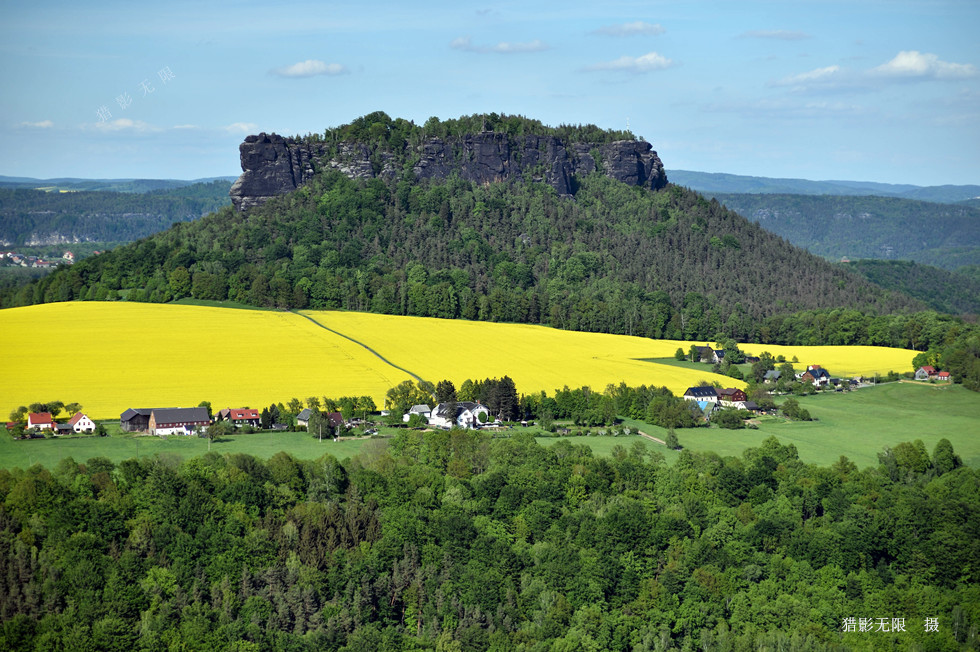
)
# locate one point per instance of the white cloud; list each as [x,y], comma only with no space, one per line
[310,68]
[776,34]
[907,65]
[645,63]
[818,76]
[464,43]
[43,124]
[242,127]
[125,124]
[185,127]
[637,28]
[915,64]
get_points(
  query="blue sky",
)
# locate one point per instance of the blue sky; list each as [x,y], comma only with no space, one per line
[865,90]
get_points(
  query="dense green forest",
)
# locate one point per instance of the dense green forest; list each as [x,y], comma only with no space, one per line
[455,541]
[950,292]
[103,216]
[942,235]
[614,259]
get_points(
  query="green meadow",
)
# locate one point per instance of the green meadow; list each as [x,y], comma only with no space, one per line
[857,424]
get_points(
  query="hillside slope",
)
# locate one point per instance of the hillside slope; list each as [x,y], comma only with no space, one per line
[610,258]
[943,235]
[949,292]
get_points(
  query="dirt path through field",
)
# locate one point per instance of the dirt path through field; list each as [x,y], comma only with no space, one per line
[362,344]
[651,437]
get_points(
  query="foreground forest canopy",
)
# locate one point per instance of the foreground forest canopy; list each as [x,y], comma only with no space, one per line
[455,541]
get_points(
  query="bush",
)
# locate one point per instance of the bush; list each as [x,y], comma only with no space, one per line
[729,418]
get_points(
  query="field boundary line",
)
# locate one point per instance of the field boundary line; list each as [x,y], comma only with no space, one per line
[659,441]
[361,344]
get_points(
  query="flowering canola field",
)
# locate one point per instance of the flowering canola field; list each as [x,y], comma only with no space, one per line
[110,356]
[538,358]
[841,361]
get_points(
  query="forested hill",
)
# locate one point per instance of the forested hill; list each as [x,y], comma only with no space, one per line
[615,258]
[943,235]
[949,292]
[35,217]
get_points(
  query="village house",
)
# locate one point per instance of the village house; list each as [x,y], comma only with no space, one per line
[943,377]
[241,416]
[467,415]
[40,420]
[179,421]
[772,376]
[303,418]
[925,372]
[705,396]
[335,419]
[816,375]
[81,423]
[732,397]
[422,410]
[704,354]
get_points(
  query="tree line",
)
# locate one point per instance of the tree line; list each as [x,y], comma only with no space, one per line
[457,540]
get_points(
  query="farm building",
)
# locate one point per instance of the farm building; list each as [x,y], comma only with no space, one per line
[135,419]
[178,421]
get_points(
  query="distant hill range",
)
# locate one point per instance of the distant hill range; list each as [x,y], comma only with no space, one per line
[711,183]
[32,217]
[487,217]
[109,185]
[885,228]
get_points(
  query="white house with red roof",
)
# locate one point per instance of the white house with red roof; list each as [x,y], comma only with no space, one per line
[81,423]
[40,420]
[943,376]
[244,417]
[925,372]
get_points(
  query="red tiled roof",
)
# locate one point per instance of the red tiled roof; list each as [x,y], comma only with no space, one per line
[243,414]
[40,417]
[75,418]
[944,374]
[929,369]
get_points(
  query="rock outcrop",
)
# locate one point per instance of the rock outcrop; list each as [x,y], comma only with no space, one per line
[273,165]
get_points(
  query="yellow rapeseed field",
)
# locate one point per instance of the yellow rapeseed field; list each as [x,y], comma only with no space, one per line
[538,358]
[115,355]
[843,361]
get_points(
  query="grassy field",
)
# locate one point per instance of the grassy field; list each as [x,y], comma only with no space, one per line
[859,425]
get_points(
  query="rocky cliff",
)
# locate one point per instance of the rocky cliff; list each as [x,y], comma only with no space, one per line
[273,165]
